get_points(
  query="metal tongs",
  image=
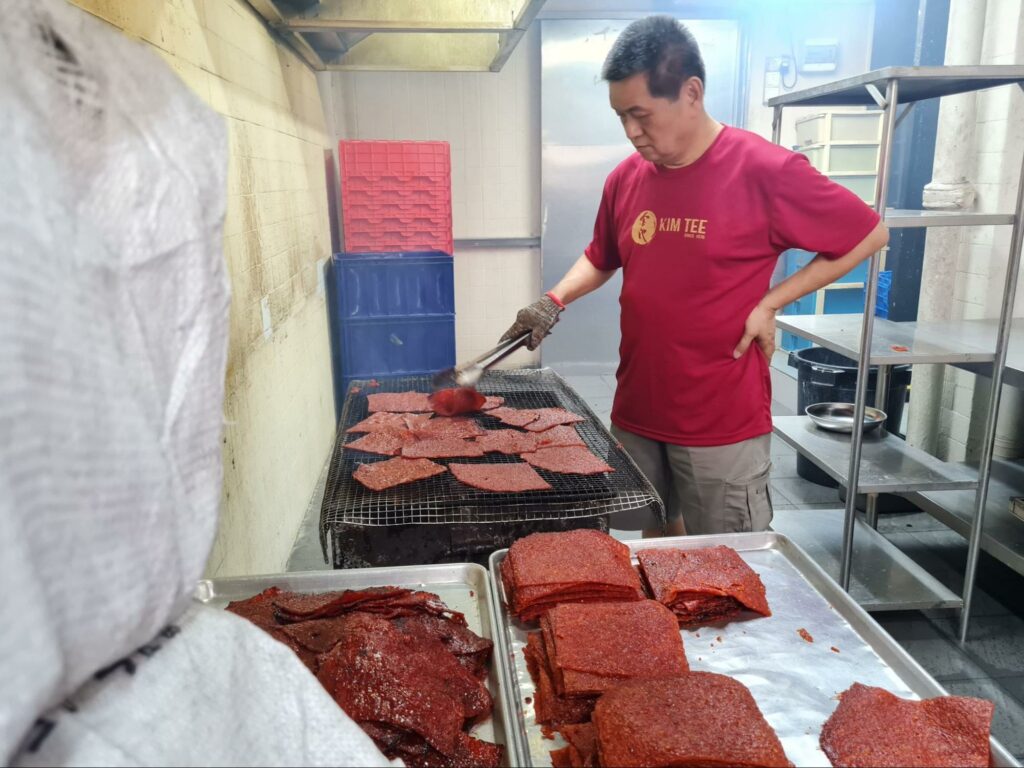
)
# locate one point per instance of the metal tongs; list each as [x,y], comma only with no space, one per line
[468,374]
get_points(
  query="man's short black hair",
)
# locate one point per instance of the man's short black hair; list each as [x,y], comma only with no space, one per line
[661,48]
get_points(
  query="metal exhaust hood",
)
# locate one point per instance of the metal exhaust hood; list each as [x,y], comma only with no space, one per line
[417,35]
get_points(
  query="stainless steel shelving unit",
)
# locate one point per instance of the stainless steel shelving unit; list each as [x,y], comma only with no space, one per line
[882,463]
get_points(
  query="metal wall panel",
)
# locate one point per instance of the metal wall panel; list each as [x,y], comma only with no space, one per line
[582,142]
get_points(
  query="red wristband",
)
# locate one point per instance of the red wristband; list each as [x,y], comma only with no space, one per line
[555,299]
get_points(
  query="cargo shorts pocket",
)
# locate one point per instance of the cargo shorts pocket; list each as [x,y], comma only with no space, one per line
[748,506]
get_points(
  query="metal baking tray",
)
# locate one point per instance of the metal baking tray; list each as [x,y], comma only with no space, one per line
[464,587]
[795,682]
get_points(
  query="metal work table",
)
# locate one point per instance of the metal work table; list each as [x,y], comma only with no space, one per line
[888,464]
[882,463]
[916,84]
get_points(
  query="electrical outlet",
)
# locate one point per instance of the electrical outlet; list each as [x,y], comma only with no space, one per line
[784,64]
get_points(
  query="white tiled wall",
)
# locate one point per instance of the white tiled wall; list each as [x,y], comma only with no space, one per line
[492,122]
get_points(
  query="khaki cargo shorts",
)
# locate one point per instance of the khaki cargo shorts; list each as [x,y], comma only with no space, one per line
[716,489]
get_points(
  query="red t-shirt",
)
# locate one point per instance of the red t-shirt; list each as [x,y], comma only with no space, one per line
[697,246]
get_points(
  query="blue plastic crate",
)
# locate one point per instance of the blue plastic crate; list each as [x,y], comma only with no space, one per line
[392,284]
[381,347]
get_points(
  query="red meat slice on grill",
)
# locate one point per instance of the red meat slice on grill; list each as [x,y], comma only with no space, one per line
[382,420]
[703,585]
[500,478]
[558,437]
[456,401]
[444,426]
[399,402]
[397,471]
[514,417]
[491,402]
[387,441]
[696,719]
[552,417]
[873,727]
[572,460]
[508,441]
[442,448]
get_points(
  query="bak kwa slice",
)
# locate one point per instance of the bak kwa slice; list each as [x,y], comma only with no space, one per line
[399,402]
[592,646]
[491,402]
[873,727]
[514,417]
[543,568]
[387,441]
[388,601]
[703,585]
[700,718]
[571,460]
[382,420]
[508,441]
[549,708]
[500,478]
[558,437]
[397,471]
[379,675]
[444,426]
[552,417]
[582,749]
[442,448]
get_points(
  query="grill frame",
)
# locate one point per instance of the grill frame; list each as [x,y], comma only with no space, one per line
[442,500]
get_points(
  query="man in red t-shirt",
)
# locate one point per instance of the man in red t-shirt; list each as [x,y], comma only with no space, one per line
[696,220]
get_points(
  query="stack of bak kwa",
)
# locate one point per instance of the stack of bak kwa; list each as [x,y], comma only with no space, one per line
[583,649]
[702,586]
[544,569]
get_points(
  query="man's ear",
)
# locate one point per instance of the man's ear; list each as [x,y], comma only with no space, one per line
[693,90]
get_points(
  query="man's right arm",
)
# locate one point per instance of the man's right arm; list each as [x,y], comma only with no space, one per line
[582,278]
[540,317]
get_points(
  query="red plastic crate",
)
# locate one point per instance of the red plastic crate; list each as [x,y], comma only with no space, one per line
[396,195]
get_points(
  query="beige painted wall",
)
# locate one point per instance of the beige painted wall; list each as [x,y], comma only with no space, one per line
[278,405]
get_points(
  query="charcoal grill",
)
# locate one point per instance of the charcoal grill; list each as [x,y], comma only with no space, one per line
[441,520]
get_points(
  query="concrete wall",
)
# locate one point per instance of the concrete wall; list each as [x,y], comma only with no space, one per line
[492,122]
[278,406]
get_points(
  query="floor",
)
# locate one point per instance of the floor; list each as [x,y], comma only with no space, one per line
[989,665]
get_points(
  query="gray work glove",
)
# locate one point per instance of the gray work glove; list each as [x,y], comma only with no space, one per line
[538,318]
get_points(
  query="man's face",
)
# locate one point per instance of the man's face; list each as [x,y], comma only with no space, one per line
[657,127]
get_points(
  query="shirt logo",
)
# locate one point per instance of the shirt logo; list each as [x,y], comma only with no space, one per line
[647,225]
[645,228]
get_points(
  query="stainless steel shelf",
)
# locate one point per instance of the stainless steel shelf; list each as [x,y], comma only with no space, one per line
[1003,534]
[888,464]
[906,218]
[964,341]
[1014,373]
[916,84]
[883,578]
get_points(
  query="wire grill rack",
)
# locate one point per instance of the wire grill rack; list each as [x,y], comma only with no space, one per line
[444,500]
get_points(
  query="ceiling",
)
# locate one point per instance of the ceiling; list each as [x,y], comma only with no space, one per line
[418,35]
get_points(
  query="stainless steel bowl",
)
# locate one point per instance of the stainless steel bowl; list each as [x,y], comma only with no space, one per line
[838,417]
